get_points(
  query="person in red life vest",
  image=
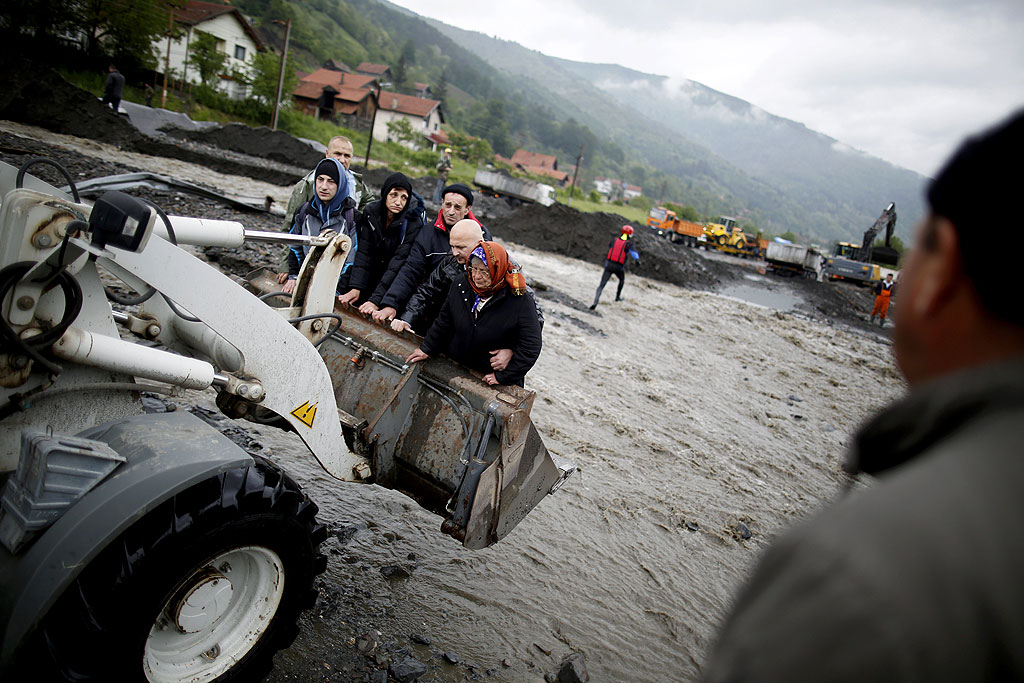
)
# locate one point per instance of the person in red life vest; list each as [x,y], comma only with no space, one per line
[615,262]
[883,293]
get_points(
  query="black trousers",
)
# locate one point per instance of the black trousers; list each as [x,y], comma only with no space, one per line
[616,269]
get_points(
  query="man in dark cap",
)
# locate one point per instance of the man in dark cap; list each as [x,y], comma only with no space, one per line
[917,578]
[429,249]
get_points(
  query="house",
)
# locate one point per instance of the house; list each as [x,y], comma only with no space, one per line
[353,106]
[421,89]
[425,115]
[604,185]
[630,191]
[342,97]
[539,164]
[379,71]
[235,38]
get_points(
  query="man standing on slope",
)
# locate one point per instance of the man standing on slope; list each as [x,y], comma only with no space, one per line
[615,262]
[917,578]
[883,294]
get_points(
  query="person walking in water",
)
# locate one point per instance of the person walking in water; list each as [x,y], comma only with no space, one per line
[615,262]
[883,293]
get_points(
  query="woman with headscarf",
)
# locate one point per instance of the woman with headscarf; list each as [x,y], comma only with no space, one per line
[330,209]
[387,230]
[485,311]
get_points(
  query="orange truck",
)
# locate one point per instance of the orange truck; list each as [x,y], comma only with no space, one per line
[674,228]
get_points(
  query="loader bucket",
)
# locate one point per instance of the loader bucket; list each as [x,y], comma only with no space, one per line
[438,433]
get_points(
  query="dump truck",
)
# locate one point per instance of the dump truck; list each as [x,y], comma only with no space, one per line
[860,262]
[140,546]
[676,229]
[793,259]
[515,190]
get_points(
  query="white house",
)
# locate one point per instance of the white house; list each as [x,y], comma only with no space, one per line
[423,114]
[235,38]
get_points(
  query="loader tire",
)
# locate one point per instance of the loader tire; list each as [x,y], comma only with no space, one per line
[206,587]
[722,240]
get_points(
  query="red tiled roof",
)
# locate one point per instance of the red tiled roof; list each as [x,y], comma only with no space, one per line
[560,176]
[407,104]
[196,12]
[339,79]
[312,90]
[528,159]
[440,137]
[367,67]
[634,188]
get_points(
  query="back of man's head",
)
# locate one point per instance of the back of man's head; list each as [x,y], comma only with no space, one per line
[975,190]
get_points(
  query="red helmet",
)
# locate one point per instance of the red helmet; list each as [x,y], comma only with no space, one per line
[627,229]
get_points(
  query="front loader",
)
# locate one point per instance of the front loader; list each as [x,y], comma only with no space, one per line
[150,547]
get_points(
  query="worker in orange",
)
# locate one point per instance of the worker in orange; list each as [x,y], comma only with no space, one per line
[883,293]
[615,262]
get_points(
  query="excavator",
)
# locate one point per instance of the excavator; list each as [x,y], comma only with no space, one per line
[859,262]
[149,546]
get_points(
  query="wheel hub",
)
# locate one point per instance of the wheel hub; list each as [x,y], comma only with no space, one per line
[204,602]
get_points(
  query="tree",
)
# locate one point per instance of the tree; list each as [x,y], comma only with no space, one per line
[401,130]
[788,235]
[265,70]
[896,243]
[594,196]
[204,57]
[474,150]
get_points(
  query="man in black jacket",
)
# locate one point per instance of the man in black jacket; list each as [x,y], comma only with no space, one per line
[429,249]
[113,87]
[917,578]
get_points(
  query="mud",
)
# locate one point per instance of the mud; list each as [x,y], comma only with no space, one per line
[704,425]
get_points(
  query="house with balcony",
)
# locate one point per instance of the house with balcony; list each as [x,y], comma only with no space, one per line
[235,38]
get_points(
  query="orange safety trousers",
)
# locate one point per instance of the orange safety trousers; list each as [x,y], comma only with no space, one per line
[882,304]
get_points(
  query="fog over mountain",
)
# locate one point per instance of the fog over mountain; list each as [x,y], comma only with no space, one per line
[782,174]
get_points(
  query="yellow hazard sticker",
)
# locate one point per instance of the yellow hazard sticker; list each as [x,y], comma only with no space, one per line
[306,413]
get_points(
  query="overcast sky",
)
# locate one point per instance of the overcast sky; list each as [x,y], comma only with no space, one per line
[904,81]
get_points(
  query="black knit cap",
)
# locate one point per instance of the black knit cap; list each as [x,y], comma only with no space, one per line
[459,188]
[395,180]
[983,175]
[327,167]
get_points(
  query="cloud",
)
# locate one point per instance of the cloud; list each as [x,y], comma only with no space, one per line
[904,80]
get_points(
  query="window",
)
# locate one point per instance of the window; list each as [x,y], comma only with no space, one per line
[240,52]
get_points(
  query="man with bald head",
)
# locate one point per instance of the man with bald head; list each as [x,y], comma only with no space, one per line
[429,249]
[426,302]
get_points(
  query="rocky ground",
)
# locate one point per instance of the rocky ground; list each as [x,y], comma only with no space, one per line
[703,425]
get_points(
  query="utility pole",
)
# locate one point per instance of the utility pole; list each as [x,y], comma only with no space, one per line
[575,174]
[167,62]
[373,122]
[280,76]
[661,198]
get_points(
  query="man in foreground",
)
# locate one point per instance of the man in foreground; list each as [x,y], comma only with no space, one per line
[918,577]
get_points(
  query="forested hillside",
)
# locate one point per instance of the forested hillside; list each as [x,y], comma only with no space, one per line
[771,172]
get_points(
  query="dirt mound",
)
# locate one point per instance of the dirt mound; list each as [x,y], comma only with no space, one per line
[563,230]
[259,142]
[41,97]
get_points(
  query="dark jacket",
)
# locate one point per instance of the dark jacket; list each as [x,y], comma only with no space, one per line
[506,322]
[879,286]
[916,578]
[426,303]
[429,249]
[309,222]
[114,85]
[382,250]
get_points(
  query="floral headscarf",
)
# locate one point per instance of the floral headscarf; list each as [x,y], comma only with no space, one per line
[502,271]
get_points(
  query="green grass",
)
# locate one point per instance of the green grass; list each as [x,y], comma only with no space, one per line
[631,213]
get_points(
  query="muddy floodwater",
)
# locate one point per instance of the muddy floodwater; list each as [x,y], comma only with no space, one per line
[695,418]
[703,424]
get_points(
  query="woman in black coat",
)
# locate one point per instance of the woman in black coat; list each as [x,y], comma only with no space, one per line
[485,311]
[386,230]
